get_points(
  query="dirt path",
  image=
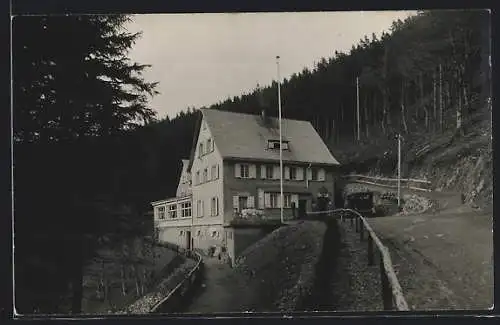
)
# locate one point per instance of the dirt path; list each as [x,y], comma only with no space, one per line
[443,259]
[356,285]
[214,296]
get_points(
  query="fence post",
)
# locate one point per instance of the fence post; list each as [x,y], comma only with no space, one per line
[361,230]
[370,250]
[386,291]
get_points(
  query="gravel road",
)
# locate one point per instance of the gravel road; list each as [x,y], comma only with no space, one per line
[443,258]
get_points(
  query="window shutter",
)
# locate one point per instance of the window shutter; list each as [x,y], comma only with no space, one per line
[261,199]
[279,199]
[216,205]
[251,202]
[321,174]
[263,171]
[237,170]
[286,170]
[300,174]
[236,202]
[276,174]
[218,171]
[267,200]
[252,170]
[202,208]
[309,174]
[295,199]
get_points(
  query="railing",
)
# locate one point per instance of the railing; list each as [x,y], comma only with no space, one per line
[412,184]
[175,298]
[392,294]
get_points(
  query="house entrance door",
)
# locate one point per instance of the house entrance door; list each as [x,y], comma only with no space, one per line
[188,240]
[302,209]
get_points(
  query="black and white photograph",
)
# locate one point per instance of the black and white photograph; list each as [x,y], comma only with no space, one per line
[263,162]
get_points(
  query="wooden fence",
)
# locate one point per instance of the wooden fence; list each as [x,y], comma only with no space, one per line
[409,183]
[177,297]
[391,292]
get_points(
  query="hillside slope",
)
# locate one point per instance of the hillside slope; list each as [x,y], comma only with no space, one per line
[453,161]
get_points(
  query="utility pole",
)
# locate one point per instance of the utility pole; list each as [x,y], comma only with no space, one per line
[281,141]
[399,170]
[357,104]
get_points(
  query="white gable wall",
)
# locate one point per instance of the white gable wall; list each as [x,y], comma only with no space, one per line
[205,191]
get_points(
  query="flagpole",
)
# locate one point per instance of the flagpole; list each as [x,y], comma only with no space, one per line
[281,142]
[357,104]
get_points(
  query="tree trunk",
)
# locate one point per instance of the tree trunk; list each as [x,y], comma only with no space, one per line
[123,280]
[144,281]
[459,103]
[440,97]
[136,278]
[342,119]
[403,118]
[424,105]
[77,276]
[100,288]
[385,117]
[434,99]
[485,54]
[366,116]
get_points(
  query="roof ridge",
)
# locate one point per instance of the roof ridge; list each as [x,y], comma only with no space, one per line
[250,114]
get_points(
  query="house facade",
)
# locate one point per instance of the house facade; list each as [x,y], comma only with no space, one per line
[234,168]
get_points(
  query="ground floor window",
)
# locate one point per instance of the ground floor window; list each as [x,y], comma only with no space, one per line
[273,200]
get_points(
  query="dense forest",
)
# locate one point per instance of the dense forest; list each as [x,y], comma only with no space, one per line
[89,154]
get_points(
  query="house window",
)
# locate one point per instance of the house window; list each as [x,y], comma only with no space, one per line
[293,173]
[209,145]
[198,233]
[172,211]
[161,213]
[269,171]
[214,172]
[314,172]
[181,233]
[288,200]
[186,209]
[275,144]
[214,206]
[197,180]
[274,200]
[244,171]
[205,175]
[230,235]
[198,209]
[243,202]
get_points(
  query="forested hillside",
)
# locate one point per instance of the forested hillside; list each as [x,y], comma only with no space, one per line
[429,75]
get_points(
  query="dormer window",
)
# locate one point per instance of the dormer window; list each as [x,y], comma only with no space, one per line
[275,144]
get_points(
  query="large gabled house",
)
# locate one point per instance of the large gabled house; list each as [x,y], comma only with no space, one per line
[234,166]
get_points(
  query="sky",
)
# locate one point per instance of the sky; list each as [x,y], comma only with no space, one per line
[201,59]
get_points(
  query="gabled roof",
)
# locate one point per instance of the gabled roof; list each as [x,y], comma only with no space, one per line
[245,136]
